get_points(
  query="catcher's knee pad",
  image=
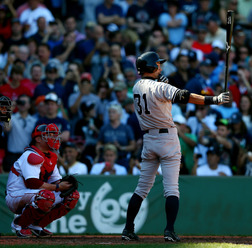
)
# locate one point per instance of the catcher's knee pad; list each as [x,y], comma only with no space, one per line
[71,200]
[44,200]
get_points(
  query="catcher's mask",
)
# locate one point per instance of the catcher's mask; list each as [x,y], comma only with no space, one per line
[50,134]
[147,62]
[5,109]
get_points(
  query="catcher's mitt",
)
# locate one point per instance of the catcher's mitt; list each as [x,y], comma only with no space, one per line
[71,179]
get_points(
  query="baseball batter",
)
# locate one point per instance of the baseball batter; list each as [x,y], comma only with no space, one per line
[34,187]
[153,98]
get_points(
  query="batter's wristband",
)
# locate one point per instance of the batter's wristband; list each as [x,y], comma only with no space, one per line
[210,100]
[57,187]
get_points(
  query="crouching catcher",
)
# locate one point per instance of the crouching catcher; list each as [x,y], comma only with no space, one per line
[35,191]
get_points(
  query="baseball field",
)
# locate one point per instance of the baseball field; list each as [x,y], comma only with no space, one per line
[59,241]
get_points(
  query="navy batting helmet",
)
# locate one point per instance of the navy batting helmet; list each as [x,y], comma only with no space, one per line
[147,62]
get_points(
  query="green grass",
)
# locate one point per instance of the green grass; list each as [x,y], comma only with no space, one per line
[169,245]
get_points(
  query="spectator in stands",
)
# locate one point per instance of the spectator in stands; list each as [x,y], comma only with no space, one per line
[51,83]
[29,17]
[36,75]
[40,108]
[202,80]
[5,23]
[84,94]
[86,47]
[3,53]
[140,18]
[121,135]
[175,22]
[200,42]
[245,161]
[71,165]
[246,111]
[13,89]
[213,167]
[19,132]
[109,165]
[53,104]
[70,26]
[16,37]
[44,58]
[121,92]
[108,12]
[187,141]
[65,52]
[41,32]
[215,32]
[239,38]
[182,75]
[88,127]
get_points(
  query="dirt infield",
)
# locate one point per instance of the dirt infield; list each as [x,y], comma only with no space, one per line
[115,239]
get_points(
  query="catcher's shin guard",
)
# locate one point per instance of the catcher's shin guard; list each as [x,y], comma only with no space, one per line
[37,209]
[60,209]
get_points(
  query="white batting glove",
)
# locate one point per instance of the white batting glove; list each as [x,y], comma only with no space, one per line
[222,98]
[162,78]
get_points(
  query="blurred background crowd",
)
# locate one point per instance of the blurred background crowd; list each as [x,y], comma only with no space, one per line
[72,63]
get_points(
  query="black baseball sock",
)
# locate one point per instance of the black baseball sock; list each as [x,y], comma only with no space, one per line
[133,208]
[171,209]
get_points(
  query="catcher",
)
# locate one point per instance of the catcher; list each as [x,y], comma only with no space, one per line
[35,190]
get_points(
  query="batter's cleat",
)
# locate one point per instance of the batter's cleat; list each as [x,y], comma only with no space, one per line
[171,236]
[40,232]
[129,235]
[20,232]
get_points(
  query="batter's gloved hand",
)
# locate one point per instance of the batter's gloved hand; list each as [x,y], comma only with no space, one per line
[162,78]
[222,98]
[72,180]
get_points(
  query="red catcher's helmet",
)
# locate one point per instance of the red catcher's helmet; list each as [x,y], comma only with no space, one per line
[50,134]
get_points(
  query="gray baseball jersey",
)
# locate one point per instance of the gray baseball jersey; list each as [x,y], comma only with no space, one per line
[153,104]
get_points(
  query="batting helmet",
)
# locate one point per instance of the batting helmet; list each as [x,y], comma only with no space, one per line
[50,134]
[5,109]
[147,62]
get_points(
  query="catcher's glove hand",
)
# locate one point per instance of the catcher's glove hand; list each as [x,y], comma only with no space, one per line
[72,180]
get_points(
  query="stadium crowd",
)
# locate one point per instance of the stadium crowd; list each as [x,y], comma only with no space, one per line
[72,63]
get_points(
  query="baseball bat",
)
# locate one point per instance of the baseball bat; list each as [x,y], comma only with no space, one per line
[229,32]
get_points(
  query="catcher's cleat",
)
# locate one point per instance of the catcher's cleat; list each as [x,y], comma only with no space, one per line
[129,235]
[40,232]
[20,232]
[171,236]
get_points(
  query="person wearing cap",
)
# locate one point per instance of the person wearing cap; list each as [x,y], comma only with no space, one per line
[215,32]
[212,167]
[84,94]
[19,131]
[108,166]
[239,131]
[53,102]
[187,141]
[200,43]
[71,165]
[51,83]
[40,108]
[222,139]
[202,79]
[121,91]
